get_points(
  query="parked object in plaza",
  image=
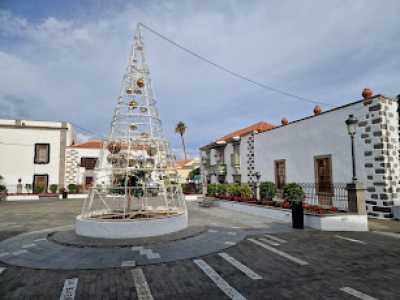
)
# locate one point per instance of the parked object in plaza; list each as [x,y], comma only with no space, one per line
[137,192]
[396,212]
[295,195]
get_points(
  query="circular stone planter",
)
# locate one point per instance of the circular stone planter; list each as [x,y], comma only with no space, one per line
[130,228]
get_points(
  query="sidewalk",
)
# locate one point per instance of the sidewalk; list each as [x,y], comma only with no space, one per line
[384,225]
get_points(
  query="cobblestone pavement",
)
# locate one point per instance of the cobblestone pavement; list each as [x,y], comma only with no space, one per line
[271,261]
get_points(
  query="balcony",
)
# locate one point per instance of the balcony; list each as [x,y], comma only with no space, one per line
[235,161]
[218,169]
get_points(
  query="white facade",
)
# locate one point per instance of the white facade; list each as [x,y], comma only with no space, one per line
[304,147]
[302,142]
[17,151]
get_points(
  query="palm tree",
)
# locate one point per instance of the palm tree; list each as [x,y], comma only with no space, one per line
[181,129]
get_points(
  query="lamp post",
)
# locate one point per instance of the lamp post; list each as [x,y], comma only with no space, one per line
[355,190]
[351,124]
[258,176]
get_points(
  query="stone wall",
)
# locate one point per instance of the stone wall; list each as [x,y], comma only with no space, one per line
[71,166]
[379,131]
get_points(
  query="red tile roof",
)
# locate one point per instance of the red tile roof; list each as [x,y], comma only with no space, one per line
[260,127]
[182,163]
[92,144]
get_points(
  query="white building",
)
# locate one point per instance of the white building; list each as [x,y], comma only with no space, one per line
[34,153]
[80,162]
[317,150]
[227,158]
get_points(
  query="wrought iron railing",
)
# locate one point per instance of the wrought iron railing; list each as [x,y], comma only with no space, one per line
[326,195]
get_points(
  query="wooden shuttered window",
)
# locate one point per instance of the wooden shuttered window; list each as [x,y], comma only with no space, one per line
[42,154]
[89,163]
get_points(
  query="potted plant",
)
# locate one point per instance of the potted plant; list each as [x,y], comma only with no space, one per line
[3,192]
[28,187]
[267,192]
[295,195]
[72,188]
[53,188]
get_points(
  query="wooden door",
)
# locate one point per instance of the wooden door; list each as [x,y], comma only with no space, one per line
[40,183]
[280,174]
[323,180]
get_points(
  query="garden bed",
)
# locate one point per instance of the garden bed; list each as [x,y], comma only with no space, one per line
[326,222]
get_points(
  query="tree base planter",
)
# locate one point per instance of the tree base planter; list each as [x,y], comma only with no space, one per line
[130,228]
[297,215]
[334,222]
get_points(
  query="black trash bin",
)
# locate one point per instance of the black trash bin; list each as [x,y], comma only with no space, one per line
[64,194]
[297,215]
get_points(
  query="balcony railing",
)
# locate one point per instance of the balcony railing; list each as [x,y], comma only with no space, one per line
[218,169]
[235,160]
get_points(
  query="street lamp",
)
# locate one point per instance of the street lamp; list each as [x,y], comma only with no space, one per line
[351,124]
[258,176]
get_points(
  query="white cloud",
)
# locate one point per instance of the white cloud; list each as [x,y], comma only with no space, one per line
[326,51]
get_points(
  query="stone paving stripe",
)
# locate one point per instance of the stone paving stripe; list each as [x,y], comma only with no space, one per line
[281,253]
[141,285]
[128,263]
[229,243]
[212,230]
[274,238]
[18,252]
[231,233]
[40,240]
[4,254]
[272,243]
[28,246]
[218,280]
[236,227]
[69,289]
[246,270]
[357,294]
[350,240]
[391,234]
[2,270]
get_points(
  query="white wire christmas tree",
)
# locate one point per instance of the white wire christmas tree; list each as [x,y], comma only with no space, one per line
[138,165]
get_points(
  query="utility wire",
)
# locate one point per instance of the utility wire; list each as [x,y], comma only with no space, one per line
[233,73]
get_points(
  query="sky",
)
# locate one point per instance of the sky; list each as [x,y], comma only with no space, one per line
[64,60]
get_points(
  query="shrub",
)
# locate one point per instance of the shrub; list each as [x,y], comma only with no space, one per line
[28,187]
[233,189]
[221,189]
[245,191]
[3,188]
[38,189]
[53,188]
[211,189]
[293,192]
[267,190]
[72,188]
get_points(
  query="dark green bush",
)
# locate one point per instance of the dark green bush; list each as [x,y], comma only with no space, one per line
[38,189]
[267,190]
[72,188]
[293,192]
[53,188]
[211,189]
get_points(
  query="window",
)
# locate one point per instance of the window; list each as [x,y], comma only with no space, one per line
[42,154]
[89,163]
[280,174]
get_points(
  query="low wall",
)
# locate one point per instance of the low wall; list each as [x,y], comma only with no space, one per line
[337,222]
[26,197]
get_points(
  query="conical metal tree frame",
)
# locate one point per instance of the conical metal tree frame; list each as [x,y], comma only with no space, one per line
[136,176]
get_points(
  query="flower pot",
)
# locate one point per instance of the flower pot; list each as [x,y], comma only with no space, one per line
[297,215]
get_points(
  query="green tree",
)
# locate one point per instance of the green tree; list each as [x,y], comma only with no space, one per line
[181,129]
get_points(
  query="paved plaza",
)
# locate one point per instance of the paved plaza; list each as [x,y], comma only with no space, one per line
[222,255]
